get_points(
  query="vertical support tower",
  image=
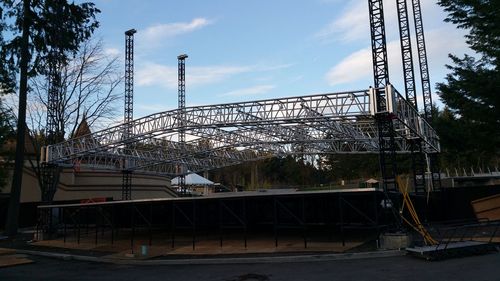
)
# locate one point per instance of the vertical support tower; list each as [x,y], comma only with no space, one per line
[422,59]
[386,133]
[379,49]
[432,159]
[405,40]
[129,81]
[50,172]
[417,156]
[53,99]
[181,59]
[129,110]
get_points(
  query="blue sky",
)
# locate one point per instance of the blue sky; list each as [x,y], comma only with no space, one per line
[248,50]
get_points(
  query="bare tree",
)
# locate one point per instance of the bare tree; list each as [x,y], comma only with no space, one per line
[89,89]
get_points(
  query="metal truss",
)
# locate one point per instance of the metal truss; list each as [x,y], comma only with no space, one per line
[182,112]
[419,166]
[379,47]
[129,80]
[129,109]
[53,102]
[405,40]
[422,58]
[227,134]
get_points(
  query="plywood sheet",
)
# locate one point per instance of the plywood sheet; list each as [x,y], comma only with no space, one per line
[487,208]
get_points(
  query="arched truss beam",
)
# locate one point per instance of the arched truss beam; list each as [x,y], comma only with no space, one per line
[324,123]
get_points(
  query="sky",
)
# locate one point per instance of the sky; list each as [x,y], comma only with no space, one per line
[261,49]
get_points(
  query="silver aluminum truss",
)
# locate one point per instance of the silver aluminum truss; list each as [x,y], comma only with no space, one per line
[227,134]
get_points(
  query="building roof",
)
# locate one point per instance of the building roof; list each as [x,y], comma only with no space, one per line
[83,128]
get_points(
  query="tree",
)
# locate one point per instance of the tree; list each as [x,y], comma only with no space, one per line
[471,90]
[38,29]
[6,132]
[88,90]
[454,137]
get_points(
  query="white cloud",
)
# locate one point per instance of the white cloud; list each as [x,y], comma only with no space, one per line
[151,107]
[354,67]
[351,25]
[358,65]
[112,52]
[261,67]
[159,32]
[251,91]
[166,76]
[211,74]
[156,74]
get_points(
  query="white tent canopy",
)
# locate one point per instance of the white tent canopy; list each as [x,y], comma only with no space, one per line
[193,179]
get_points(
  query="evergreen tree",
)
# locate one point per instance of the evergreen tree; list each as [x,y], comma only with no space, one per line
[57,28]
[471,92]
[5,133]
[40,33]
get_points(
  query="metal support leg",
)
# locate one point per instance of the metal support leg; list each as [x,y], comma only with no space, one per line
[387,151]
[150,224]
[245,220]
[96,226]
[275,223]
[220,223]
[341,213]
[64,222]
[173,224]
[132,225]
[435,171]
[126,185]
[304,222]
[418,165]
[79,225]
[112,225]
[194,224]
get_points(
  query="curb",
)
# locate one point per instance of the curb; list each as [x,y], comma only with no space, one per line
[211,261]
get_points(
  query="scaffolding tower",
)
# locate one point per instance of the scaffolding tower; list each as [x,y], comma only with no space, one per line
[422,59]
[432,159]
[129,111]
[386,133]
[181,59]
[417,156]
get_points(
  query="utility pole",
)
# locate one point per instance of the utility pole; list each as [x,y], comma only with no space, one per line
[17,179]
[129,111]
[182,113]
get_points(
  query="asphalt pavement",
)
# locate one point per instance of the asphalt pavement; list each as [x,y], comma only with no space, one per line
[485,267]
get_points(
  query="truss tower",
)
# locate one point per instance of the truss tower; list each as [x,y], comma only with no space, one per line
[129,110]
[181,63]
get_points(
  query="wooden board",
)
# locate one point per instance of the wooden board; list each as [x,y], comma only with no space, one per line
[487,207]
[12,260]
[4,251]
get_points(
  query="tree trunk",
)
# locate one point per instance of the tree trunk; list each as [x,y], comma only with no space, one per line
[15,193]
